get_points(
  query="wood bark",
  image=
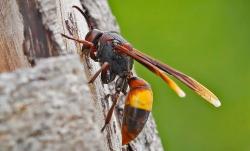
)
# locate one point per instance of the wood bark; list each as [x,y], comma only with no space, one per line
[30,30]
[48,108]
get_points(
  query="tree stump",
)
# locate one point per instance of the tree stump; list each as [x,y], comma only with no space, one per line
[45,107]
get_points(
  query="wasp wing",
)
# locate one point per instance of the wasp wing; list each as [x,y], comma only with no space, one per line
[190,82]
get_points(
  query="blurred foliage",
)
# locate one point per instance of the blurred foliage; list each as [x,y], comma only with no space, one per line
[208,40]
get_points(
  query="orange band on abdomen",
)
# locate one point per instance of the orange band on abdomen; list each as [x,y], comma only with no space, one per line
[141,98]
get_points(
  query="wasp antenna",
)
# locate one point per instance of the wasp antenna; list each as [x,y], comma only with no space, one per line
[84,42]
[86,16]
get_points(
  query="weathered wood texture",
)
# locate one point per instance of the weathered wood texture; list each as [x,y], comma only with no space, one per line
[41,22]
[11,37]
[48,108]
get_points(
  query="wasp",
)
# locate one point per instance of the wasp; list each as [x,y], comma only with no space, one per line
[116,56]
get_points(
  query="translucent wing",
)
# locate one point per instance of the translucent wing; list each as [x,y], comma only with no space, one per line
[159,68]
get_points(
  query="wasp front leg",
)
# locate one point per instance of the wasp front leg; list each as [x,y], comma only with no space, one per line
[104,67]
[107,76]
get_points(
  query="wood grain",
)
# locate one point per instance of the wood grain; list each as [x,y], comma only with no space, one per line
[11,31]
[31,31]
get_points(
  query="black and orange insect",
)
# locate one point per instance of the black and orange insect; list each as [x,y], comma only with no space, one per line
[116,57]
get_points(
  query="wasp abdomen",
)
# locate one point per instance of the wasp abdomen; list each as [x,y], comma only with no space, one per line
[138,106]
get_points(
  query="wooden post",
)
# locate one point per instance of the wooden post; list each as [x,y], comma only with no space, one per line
[31,31]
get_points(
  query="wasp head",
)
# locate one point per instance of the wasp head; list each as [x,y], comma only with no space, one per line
[93,36]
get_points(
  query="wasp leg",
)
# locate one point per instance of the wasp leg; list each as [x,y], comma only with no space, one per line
[107,76]
[111,110]
[104,66]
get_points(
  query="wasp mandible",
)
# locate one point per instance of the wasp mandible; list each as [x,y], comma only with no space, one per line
[116,57]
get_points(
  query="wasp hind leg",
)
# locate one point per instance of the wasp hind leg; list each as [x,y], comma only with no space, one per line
[111,110]
[120,86]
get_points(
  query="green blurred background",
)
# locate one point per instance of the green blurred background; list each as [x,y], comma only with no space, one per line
[209,40]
